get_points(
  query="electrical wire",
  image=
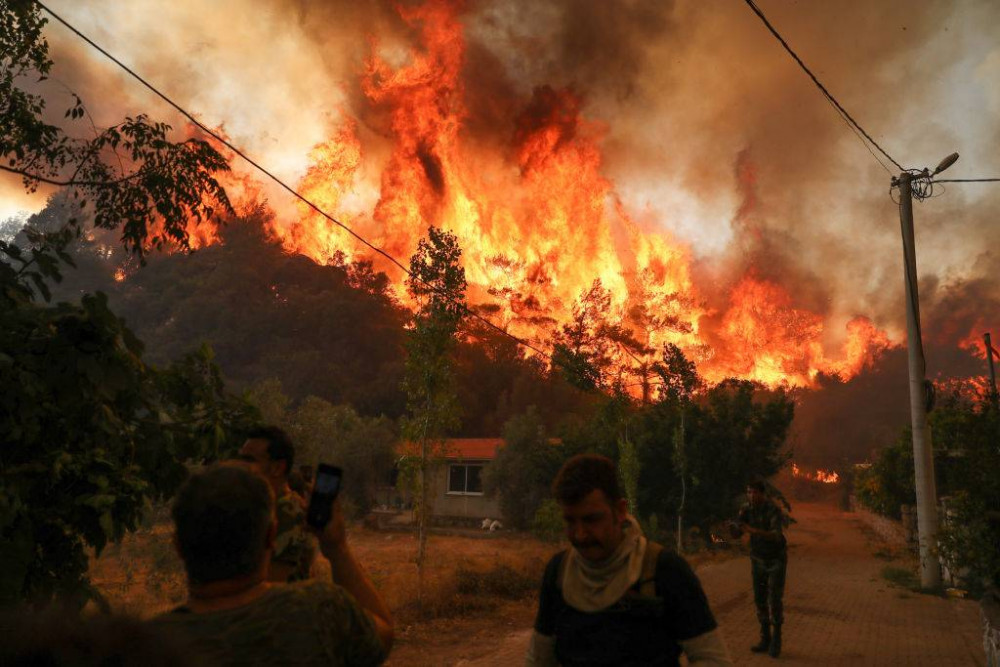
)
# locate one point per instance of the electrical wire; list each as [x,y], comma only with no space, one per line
[468,311]
[967,180]
[826,93]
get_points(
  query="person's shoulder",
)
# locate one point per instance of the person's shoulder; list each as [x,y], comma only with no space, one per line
[311,588]
[310,596]
[669,560]
[674,573]
[552,568]
[556,559]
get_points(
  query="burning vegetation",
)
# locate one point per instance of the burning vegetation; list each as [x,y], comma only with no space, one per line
[821,476]
[541,226]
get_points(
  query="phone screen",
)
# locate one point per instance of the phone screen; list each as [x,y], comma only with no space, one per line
[324,493]
[327,484]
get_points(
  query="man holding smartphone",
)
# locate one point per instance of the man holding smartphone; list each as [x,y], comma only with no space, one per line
[225,531]
[271,453]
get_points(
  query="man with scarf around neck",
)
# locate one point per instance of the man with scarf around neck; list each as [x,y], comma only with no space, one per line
[614,597]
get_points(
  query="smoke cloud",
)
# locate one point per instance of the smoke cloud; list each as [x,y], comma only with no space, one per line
[710,134]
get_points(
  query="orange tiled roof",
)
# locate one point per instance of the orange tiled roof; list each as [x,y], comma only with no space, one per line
[479,449]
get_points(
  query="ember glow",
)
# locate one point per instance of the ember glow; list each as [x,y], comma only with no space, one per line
[822,476]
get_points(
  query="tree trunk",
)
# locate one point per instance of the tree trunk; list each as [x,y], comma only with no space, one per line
[422,524]
[682,458]
[423,518]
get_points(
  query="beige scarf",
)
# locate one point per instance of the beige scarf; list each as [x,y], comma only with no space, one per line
[590,587]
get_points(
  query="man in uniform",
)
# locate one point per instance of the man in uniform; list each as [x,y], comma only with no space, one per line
[224,532]
[614,597]
[763,520]
[270,453]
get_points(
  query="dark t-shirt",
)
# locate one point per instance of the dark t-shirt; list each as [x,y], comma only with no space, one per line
[305,623]
[634,631]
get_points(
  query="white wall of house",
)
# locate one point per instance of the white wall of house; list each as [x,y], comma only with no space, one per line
[458,491]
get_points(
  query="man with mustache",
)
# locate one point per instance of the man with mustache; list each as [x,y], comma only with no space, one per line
[614,597]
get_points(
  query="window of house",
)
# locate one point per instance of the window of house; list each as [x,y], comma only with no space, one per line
[465,479]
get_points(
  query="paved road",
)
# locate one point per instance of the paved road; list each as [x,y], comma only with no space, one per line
[838,608]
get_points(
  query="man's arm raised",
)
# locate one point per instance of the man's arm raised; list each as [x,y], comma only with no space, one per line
[349,575]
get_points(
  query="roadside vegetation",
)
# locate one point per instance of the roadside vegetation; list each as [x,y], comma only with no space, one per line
[966,430]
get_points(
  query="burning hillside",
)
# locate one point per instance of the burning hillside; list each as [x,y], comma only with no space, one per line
[657,148]
[538,218]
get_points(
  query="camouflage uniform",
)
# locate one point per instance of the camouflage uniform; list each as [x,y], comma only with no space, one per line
[293,546]
[306,623]
[768,558]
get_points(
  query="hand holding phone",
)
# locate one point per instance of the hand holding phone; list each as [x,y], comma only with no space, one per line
[325,490]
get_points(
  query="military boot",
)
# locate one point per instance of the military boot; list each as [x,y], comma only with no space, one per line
[775,649]
[765,638]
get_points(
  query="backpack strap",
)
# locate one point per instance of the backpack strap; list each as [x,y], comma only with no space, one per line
[561,570]
[647,580]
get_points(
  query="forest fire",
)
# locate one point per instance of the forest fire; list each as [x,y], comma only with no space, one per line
[540,225]
[822,476]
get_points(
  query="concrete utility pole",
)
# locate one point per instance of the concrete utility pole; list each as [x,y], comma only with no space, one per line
[993,375]
[923,456]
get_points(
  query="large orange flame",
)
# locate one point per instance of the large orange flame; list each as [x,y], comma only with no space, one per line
[538,220]
[823,476]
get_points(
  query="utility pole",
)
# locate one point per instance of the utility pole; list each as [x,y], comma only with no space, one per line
[923,457]
[993,375]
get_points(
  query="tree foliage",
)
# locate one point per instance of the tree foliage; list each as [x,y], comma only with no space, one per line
[90,432]
[129,177]
[888,483]
[336,434]
[523,469]
[333,331]
[437,282]
[966,431]
[734,432]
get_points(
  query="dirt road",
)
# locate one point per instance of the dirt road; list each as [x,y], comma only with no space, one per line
[839,609]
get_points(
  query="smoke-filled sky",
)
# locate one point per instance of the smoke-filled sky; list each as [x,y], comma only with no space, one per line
[709,131]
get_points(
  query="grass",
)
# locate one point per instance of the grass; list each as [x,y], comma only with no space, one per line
[143,576]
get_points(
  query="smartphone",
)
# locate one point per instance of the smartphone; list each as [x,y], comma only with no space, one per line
[325,490]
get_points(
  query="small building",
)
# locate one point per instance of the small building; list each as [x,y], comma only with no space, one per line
[456,491]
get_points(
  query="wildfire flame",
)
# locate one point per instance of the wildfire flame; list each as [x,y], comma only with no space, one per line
[824,476]
[537,219]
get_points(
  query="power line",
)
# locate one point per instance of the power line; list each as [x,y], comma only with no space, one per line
[287,187]
[826,93]
[966,180]
[862,139]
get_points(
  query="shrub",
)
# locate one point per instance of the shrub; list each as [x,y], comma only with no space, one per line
[968,541]
[548,522]
[888,483]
